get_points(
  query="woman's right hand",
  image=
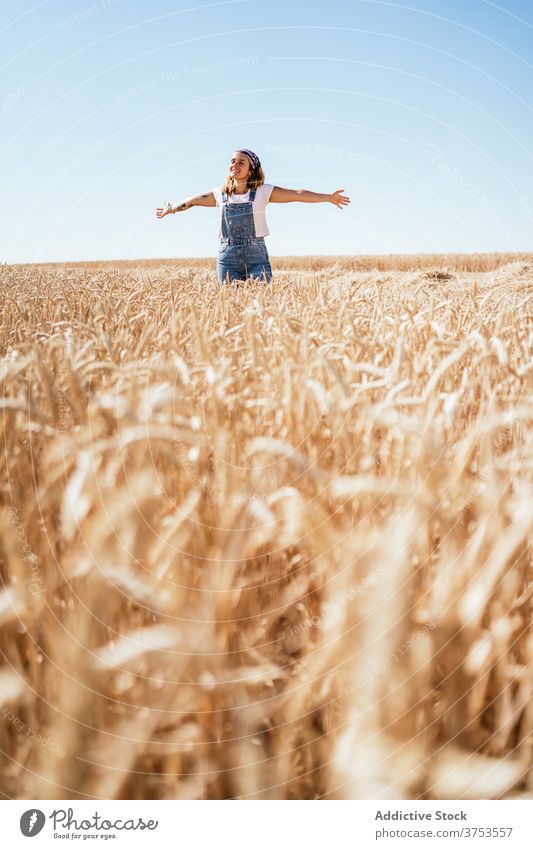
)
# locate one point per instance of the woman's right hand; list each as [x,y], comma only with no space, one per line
[164,210]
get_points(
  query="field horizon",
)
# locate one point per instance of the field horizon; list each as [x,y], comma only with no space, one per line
[473,261]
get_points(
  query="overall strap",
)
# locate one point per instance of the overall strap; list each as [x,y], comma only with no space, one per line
[224,197]
[252,195]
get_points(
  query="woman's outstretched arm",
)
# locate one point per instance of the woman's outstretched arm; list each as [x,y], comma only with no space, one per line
[207,199]
[279,195]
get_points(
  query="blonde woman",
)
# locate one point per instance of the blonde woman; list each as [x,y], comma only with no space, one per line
[242,200]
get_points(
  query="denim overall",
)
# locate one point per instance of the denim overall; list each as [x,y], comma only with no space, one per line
[241,253]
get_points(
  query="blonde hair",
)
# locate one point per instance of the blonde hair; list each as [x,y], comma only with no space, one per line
[255,179]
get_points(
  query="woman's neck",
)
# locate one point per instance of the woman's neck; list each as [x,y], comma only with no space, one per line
[241,187]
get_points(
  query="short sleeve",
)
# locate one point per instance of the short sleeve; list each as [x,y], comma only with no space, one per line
[266,190]
[217,191]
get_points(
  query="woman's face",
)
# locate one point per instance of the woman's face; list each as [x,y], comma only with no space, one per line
[239,167]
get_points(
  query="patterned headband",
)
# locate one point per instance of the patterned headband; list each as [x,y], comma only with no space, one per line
[253,157]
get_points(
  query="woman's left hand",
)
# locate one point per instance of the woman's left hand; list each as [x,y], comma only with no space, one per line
[339,199]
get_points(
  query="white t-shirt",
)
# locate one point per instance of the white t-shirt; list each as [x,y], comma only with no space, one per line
[262,197]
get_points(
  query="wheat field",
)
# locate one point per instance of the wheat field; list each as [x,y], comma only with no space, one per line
[267,542]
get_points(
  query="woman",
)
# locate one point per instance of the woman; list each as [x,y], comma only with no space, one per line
[243,197]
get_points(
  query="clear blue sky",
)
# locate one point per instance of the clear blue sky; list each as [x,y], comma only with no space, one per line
[421,110]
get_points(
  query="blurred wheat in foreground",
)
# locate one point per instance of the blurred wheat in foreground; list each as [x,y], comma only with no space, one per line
[266,542]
